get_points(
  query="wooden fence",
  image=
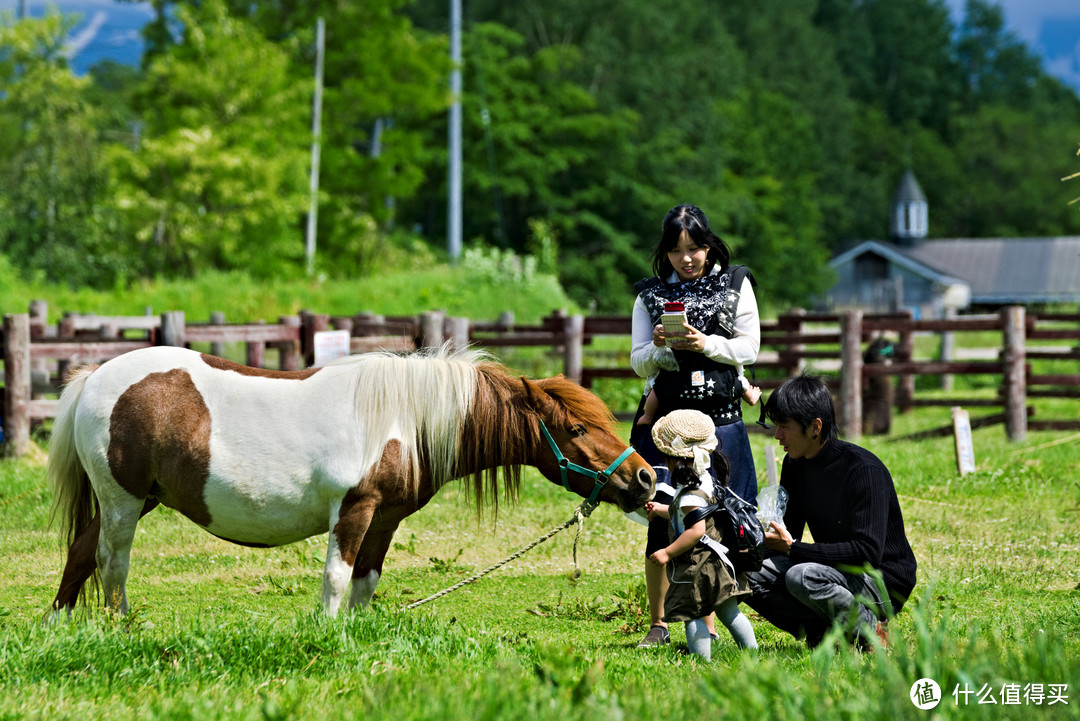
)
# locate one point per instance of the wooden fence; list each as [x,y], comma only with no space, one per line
[36,355]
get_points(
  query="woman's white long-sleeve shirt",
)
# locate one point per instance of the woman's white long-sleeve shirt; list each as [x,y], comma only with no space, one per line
[741,349]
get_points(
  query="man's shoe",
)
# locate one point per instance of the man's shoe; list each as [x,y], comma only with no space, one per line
[657,636]
[881,630]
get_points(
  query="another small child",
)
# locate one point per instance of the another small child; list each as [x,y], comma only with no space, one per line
[751,394]
[702,580]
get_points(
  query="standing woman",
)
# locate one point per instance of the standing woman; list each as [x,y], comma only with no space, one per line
[701,370]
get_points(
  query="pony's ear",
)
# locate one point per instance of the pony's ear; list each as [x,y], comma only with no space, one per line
[537,397]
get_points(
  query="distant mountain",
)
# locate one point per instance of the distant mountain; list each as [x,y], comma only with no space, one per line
[106,30]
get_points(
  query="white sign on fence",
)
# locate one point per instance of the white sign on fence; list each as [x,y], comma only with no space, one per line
[331,345]
[965,450]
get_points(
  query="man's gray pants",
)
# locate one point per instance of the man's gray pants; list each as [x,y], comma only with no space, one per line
[805,599]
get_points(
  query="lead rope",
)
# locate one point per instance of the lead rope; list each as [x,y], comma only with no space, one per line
[580,514]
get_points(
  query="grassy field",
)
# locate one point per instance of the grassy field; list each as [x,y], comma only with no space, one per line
[481,286]
[220,631]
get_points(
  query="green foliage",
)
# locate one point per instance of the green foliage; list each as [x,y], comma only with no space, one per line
[51,168]
[789,124]
[218,177]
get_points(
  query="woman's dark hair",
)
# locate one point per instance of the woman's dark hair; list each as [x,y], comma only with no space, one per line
[690,219]
[802,399]
[682,471]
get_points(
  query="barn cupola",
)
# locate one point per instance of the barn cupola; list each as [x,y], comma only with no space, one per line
[908,217]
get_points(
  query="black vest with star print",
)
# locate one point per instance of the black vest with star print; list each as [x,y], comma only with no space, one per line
[700,383]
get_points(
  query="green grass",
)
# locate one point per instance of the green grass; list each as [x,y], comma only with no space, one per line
[480,287]
[221,631]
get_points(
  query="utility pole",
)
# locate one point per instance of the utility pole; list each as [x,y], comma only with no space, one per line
[316,138]
[453,185]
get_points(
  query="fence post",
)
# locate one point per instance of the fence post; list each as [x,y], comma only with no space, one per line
[217,348]
[905,384]
[574,334]
[459,333]
[39,318]
[851,373]
[289,355]
[16,411]
[311,323]
[256,350]
[431,328]
[342,322]
[1013,371]
[798,316]
[173,328]
[948,345]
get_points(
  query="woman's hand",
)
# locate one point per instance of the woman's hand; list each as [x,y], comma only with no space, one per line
[658,338]
[690,339]
[693,340]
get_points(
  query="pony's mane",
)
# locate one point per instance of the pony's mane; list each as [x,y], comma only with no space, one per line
[458,413]
[422,398]
[579,405]
[502,426]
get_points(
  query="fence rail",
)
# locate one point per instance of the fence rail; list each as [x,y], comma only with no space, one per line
[37,356]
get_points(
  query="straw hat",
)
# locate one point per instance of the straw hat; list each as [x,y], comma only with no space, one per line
[686,434]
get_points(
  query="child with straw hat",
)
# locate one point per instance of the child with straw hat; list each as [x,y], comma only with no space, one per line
[702,579]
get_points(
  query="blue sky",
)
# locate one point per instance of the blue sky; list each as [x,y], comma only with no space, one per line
[1051,28]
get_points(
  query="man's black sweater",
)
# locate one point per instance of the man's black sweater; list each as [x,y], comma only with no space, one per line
[846,497]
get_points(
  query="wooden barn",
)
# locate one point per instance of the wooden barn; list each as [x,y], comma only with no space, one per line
[937,276]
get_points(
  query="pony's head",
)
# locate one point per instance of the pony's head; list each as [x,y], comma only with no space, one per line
[582,430]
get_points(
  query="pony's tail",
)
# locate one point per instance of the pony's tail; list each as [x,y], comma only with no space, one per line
[74,501]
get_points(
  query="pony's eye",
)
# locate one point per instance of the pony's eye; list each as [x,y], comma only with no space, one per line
[578,429]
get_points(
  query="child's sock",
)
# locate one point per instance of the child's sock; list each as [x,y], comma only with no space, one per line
[739,625]
[698,639]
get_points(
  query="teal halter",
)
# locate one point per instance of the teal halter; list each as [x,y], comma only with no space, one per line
[565,465]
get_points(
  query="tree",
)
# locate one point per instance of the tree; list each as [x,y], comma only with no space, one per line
[771,216]
[999,69]
[1011,185]
[911,74]
[385,84]
[52,223]
[218,178]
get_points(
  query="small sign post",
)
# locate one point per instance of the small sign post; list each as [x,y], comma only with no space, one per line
[965,450]
[331,345]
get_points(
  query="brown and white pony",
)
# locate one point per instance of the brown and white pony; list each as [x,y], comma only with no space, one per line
[266,458]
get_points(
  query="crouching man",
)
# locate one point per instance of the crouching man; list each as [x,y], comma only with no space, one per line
[844,496]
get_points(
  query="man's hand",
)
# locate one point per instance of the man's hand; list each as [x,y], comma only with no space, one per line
[777,538]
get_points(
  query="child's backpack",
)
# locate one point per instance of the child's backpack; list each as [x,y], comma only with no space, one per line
[740,530]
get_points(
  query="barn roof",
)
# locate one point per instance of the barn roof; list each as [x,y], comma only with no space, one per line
[1008,270]
[899,257]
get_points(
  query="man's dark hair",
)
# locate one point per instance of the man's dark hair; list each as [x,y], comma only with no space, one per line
[802,399]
